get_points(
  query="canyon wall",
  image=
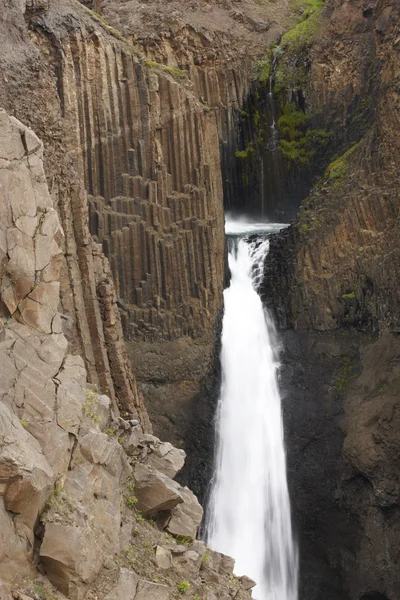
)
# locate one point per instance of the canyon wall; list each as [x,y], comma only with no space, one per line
[88,504]
[331,283]
[135,106]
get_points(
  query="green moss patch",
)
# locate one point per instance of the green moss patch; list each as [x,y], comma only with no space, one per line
[291,71]
[175,71]
[298,142]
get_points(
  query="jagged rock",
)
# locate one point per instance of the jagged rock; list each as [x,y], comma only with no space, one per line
[163,557]
[101,449]
[70,557]
[71,394]
[125,588]
[227,564]
[186,517]
[25,475]
[189,563]
[102,409]
[152,591]
[155,491]
[246,582]
[210,596]
[131,443]
[166,458]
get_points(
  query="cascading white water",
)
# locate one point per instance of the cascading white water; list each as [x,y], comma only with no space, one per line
[249,510]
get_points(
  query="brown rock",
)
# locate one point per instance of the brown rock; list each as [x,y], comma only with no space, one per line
[167,459]
[125,588]
[227,564]
[246,582]
[25,475]
[186,517]
[152,591]
[155,491]
[5,593]
[70,558]
[163,557]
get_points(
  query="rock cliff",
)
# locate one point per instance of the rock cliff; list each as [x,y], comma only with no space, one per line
[331,282]
[88,506]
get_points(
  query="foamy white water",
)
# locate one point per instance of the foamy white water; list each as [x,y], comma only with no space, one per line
[249,511]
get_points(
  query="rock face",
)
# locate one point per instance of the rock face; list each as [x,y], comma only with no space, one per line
[139,127]
[331,280]
[69,493]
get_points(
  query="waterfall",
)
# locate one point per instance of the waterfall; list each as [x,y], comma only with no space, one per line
[249,510]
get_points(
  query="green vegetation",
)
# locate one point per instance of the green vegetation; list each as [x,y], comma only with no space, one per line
[246,154]
[301,36]
[346,372]
[130,554]
[339,167]
[175,71]
[298,143]
[104,23]
[183,586]
[89,407]
[350,296]
[23,422]
[291,71]
[186,539]
[42,593]
[263,70]
[131,501]
[206,557]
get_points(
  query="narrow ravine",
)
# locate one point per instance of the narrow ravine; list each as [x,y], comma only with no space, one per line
[249,511]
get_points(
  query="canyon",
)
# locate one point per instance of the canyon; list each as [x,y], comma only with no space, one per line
[126,129]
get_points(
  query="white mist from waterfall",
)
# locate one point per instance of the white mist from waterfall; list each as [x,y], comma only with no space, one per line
[249,510]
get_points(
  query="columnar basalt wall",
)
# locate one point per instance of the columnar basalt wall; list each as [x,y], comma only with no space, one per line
[331,280]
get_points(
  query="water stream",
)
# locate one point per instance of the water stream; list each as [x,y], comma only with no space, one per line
[249,511]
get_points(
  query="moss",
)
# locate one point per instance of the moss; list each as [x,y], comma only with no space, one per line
[350,296]
[291,72]
[338,168]
[302,35]
[303,228]
[298,143]
[263,70]
[346,372]
[175,71]
[246,154]
[105,23]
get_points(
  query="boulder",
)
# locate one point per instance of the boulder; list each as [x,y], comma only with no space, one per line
[167,459]
[152,591]
[188,564]
[246,582]
[70,557]
[25,475]
[163,558]
[155,491]
[100,449]
[227,564]
[187,516]
[132,441]
[125,588]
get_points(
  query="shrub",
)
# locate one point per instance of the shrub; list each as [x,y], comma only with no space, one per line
[183,586]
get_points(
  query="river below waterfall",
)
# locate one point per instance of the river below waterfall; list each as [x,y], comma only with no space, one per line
[249,510]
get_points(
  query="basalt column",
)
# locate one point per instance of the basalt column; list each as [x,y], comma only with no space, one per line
[149,155]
